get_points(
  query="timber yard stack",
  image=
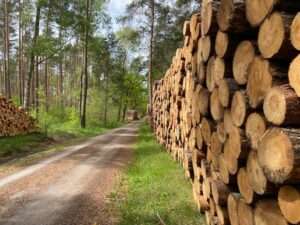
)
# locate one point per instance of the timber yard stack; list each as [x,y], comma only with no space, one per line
[228,109]
[14,120]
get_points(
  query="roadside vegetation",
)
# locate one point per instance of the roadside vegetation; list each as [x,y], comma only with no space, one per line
[153,190]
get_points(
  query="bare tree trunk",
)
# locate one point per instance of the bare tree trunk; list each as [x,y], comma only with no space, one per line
[60,71]
[37,85]
[46,65]
[20,57]
[6,51]
[85,85]
[106,97]
[31,67]
[151,55]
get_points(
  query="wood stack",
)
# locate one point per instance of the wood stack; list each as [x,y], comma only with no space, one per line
[228,109]
[14,120]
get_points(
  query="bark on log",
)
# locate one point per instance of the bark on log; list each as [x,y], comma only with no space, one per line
[231,16]
[220,192]
[282,106]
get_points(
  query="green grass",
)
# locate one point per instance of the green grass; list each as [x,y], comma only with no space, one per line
[154,186]
[21,143]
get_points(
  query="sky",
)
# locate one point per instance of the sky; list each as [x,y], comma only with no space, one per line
[117,8]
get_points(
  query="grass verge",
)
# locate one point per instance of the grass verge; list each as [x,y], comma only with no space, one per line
[154,191]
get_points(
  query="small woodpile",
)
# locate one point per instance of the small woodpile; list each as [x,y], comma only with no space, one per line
[228,109]
[14,120]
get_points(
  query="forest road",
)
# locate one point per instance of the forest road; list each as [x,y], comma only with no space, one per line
[69,188]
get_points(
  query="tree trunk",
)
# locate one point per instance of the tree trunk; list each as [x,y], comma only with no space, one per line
[7,50]
[32,55]
[85,84]
[20,54]
[152,5]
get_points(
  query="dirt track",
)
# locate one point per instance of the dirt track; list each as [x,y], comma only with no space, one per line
[69,188]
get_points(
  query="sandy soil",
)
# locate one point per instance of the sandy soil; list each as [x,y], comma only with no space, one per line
[69,188]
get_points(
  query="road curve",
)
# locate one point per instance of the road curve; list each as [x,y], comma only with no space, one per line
[71,187]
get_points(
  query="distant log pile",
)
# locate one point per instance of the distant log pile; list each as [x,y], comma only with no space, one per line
[228,109]
[14,120]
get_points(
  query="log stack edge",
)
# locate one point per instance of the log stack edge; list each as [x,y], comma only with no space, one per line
[228,109]
[14,120]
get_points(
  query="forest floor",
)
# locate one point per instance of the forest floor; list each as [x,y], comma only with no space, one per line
[153,190]
[70,187]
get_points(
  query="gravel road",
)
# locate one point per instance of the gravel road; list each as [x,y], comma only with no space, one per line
[71,187]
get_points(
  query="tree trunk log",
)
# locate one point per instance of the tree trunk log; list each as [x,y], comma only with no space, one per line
[231,17]
[274,37]
[279,155]
[267,212]
[243,57]
[255,128]
[289,203]
[282,106]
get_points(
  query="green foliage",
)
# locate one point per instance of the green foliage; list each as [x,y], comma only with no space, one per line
[155,185]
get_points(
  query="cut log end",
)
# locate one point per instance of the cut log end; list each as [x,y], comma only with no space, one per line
[244,186]
[275,106]
[267,212]
[260,81]
[238,109]
[243,57]
[289,203]
[221,45]
[245,213]
[257,178]
[224,93]
[219,70]
[276,155]
[210,82]
[224,14]
[294,75]
[257,10]
[255,128]
[271,35]
[295,32]
[216,109]
[232,204]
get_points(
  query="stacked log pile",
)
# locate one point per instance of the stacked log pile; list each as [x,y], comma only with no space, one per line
[14,120]
[228,109]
